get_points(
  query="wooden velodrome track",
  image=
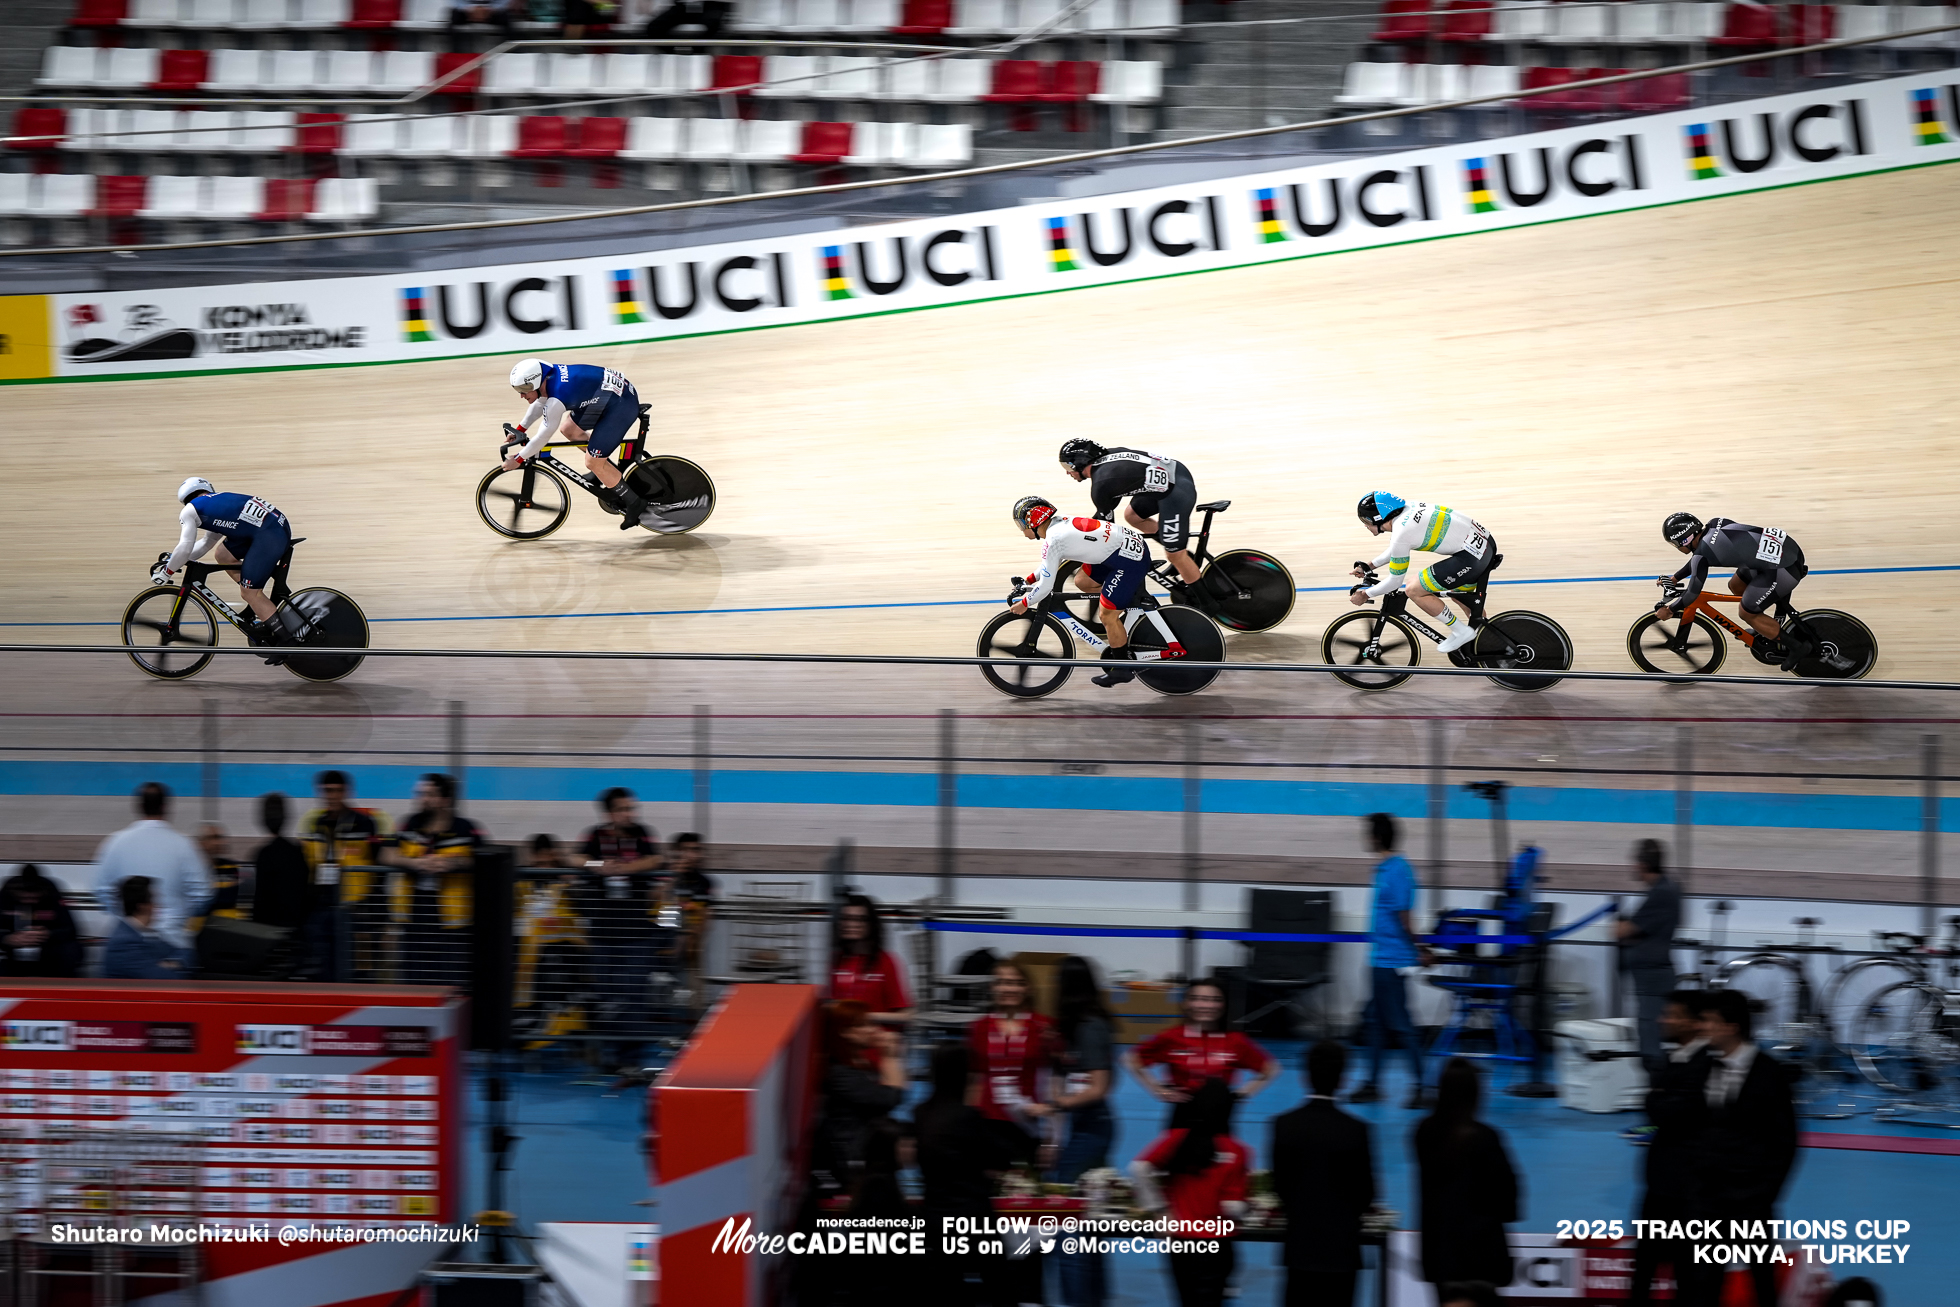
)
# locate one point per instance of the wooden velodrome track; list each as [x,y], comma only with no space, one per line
[1785,357]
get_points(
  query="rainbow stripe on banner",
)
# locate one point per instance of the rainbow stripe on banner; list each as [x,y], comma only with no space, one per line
[1927,129]
[835,286]
[1059,252]
[1271,228]
[626,300]
[415,319]
[1701,158]
[1476,186]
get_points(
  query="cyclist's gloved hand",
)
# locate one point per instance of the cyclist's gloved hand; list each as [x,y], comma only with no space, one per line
[160,574]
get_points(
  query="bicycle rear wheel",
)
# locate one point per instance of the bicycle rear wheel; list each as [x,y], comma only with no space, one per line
[1036,638]
[526,504]
[334,622]
[1351,640]
[1777,984]
[1520,640]
[178,651]
[1262,579]
[1200,639]
[680,496]
[1666,647]
[1846,648]
[1904,1039]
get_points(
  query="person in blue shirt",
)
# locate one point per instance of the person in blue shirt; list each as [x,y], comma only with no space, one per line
[1392,950]
[250,537]
[586,403]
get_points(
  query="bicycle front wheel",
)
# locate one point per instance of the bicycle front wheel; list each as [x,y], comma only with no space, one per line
[174,626]
[1036,641]
[1351,640]
[680,496]
[1520,640]
[1846,648]
[1196,634]
[1904,1040]
[334,622]
[1666,647]
[1846,993]
[1264,590]
[526,504]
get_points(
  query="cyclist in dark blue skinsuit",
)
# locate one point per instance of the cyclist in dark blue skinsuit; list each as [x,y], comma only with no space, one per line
[593,405]
[247,531]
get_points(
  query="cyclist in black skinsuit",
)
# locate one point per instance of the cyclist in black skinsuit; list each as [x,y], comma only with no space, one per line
[1162,493]
[1768,566]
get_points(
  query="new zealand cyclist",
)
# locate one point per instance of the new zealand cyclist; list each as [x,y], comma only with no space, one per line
[1114,559]
[1767,562]
[586,403]
[1433,529]
[249,534]
[1162,494]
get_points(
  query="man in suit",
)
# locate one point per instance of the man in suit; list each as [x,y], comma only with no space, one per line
[1677,1109]
[1647,948]
[1324,1175]
[1748,1142]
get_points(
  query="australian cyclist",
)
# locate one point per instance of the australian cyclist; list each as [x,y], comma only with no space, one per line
[250,535]
[1114,560]
[585,403]
[1413,526]
[1768,567]
[1162,493]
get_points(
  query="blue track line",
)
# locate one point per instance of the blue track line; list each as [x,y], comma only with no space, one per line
[977,603]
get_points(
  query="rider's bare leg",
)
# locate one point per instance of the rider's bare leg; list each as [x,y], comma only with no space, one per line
[1762,623]
[261,606]
[1181,560]
[1112,620]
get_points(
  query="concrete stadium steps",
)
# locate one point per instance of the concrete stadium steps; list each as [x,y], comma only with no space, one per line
[31,27]
[1240,77]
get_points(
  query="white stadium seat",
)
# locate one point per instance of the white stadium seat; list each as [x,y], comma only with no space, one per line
[348,70]
[1855,21]
[512,74]
[14,199]
[871,15]
[293,70]
[980,18]
[60,196]
[709,139]
[1692,22]
[1153,17]
[851,77]
[791,76]
[1437,83]
[235,197]
[152,13]
[235,70]
[128,69]
[1522,22]
[874,145]
[343,199]
[768,141]
[908,79]
[397,72]
[1910,17]
[653,138]
[423,15]
[688,72]
[207,13]
[264,131]
[626,72]
[263,15]
[208,131]
[1639,24]
[320,14]
[1367,85]
[571,72]
[174,197]
[1491,79]
[486,136]
[947,145]
[1130,81]
[156,130]
[962,81]
[68,65]
[433,136]
[370,135]
[1579,24]
[760,16]
[815,16]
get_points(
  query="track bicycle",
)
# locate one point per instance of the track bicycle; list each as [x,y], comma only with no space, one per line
[1843,648]
[1162,637]
[530,502]
[1899,958]
[1906,1039]
[1260,591]
[1385,638]
[178,624]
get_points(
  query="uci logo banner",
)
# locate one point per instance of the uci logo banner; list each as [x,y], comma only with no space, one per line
[38,1036]
[286,1041]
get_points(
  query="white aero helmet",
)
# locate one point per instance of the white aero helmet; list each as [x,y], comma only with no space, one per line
[527,375]
[193,487]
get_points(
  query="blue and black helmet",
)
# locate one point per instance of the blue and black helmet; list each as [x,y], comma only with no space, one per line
[1378,506]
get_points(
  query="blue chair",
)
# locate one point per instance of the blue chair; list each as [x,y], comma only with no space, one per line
[1486,978]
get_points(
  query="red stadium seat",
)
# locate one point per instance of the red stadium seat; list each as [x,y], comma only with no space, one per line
[925,17]
[1749,25]
[1071,81]
[824,143]
[598,138]
[1811,24]
[99,13]
[318,133]
[181,70]
[733,70]
[287,199]
[1404,22]
[540,136]
[1537,77]
[1591,99]
[468,83]
[1020,81]
[372,14]
[1655,94]
[39,129]
[119,197]
[1467,22]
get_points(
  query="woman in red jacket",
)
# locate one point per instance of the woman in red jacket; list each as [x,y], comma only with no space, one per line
[861,971]
[1199,1173]
[1011,1049]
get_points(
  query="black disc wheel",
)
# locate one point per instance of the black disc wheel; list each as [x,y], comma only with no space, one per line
[1251,591]
[1352,640]
[526,504]
[176,630]
[333,622]
[1519,640]
[680,496]
[1196,639]
[1037,642]
[1846,648]
[1668,648]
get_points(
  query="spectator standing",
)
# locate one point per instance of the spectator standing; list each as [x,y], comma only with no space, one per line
[1087,1034]
[1199,1049]
[1011,1049]
[1467,1188]
[960,1152]
[37,932]
[1202,1171]
[694,889]
[1324,1177]
[1393,954]
[1647,948]
[621,858]
[481,13]
[1748,1141]
[135,949]
[433,902]
[577,15]
[860,968]
[1677,1109]
[281,886]
[348,914]
[864,1081]
[152,847]
[226,884]
[710,16]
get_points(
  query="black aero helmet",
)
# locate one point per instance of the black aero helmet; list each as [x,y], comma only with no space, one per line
[1680,528]
[1079,453]
[1377,506]
[1031,511]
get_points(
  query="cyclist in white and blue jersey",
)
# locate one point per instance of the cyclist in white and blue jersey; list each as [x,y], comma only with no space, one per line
[1414,527]
[249,534]
[592,405]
